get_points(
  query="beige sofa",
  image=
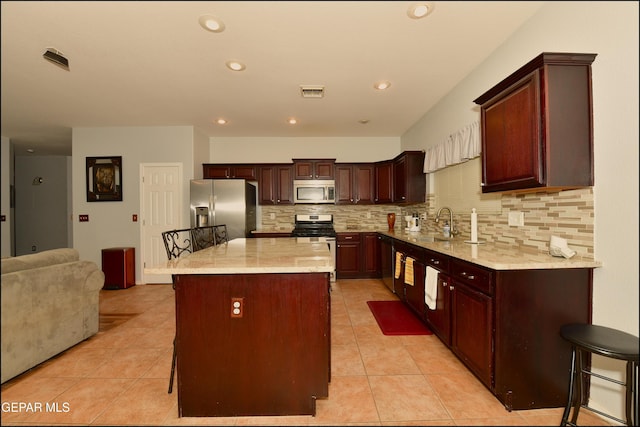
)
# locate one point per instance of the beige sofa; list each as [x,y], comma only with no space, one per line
[50,302]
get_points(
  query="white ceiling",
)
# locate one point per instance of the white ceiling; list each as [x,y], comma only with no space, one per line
[151,64]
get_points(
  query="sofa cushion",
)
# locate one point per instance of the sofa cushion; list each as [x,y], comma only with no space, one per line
[40,259]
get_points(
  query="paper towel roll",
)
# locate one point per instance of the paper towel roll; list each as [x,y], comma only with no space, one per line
[474,225]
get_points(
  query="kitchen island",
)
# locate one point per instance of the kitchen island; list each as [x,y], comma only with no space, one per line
[252,327]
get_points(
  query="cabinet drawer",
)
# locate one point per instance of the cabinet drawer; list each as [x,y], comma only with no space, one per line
[472,275]
[438,261]
[348,237]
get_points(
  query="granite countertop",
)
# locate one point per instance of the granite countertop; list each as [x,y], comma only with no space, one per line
[491,255]
[253,256]
[272,231]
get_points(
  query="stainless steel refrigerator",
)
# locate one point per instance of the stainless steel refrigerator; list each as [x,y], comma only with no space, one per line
[224,201]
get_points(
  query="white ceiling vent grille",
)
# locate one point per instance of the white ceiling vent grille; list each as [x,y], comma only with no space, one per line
[312,91]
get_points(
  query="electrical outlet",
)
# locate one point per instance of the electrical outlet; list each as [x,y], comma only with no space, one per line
[237,307]
[368,215]
[516,219]
[134,218]
[272,216]
[83,218]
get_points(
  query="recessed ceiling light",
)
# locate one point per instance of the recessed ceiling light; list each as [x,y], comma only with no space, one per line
[235,65]
[221,121]
[363,121]
[420,10]
[292,121]
[211,23]
[382,85]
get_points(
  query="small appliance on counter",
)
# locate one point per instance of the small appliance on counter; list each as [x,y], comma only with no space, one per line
[413,222]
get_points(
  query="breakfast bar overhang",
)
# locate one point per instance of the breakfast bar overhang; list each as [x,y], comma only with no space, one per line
[252,327]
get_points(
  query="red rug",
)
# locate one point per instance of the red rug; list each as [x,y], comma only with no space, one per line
[395,318]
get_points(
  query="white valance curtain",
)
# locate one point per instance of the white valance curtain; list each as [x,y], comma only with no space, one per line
[459,147]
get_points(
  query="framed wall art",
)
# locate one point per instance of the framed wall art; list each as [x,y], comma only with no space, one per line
[104,179]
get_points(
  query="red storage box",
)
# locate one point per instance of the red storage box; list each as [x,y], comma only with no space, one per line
[119,268]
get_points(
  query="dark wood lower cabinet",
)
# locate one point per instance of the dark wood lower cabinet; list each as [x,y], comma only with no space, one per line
[504,324]
[472,330]
[272,358]
[532,361]
[439,318]
[357,255]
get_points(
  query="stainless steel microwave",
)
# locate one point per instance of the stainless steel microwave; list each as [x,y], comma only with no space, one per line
[314,191]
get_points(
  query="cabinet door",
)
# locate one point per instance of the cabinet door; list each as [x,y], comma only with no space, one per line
[384,182]
[511,144]
[247,172]
[471,330]
[323,169]
[415,293]
[370,255]
[364,183]
[344,184]
[216,171]
[348,255]
[439,320]
[285,185]
[400,180]
[267,185]
[303,169]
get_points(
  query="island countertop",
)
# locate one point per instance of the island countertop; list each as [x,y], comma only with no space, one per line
[253,256]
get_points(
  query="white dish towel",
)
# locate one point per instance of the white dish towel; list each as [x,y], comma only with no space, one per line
[431,287]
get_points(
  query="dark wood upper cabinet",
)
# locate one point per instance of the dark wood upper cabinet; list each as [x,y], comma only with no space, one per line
[384,182]
[409,180]
[224,171]
[275,184]
[354,183]
[313,168]
[537,127]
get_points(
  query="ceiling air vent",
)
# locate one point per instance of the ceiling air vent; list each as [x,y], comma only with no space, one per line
[312,91]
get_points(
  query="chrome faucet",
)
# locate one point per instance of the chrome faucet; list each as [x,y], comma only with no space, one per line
[453,230]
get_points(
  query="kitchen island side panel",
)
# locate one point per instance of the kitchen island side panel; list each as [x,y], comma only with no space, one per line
[532,361]
[272,359]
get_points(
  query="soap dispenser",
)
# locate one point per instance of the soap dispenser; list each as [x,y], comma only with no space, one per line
[446,230]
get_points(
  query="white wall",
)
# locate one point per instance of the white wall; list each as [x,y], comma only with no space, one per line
[609,29]
[201,152]
[5,202]
[110,223]
[282,150]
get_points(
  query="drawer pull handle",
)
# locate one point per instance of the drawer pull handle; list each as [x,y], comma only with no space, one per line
[468,276]
[451,288]
[435,261]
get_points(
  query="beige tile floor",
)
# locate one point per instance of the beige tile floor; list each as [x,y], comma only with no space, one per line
[120,376]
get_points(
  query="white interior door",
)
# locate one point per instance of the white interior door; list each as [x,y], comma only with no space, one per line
[161,210]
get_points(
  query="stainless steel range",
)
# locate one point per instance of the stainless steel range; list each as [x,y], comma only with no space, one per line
[318,228]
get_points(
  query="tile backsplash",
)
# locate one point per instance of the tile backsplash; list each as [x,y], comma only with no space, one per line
[568,214]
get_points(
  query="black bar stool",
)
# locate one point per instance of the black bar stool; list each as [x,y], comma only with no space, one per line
[593,339]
